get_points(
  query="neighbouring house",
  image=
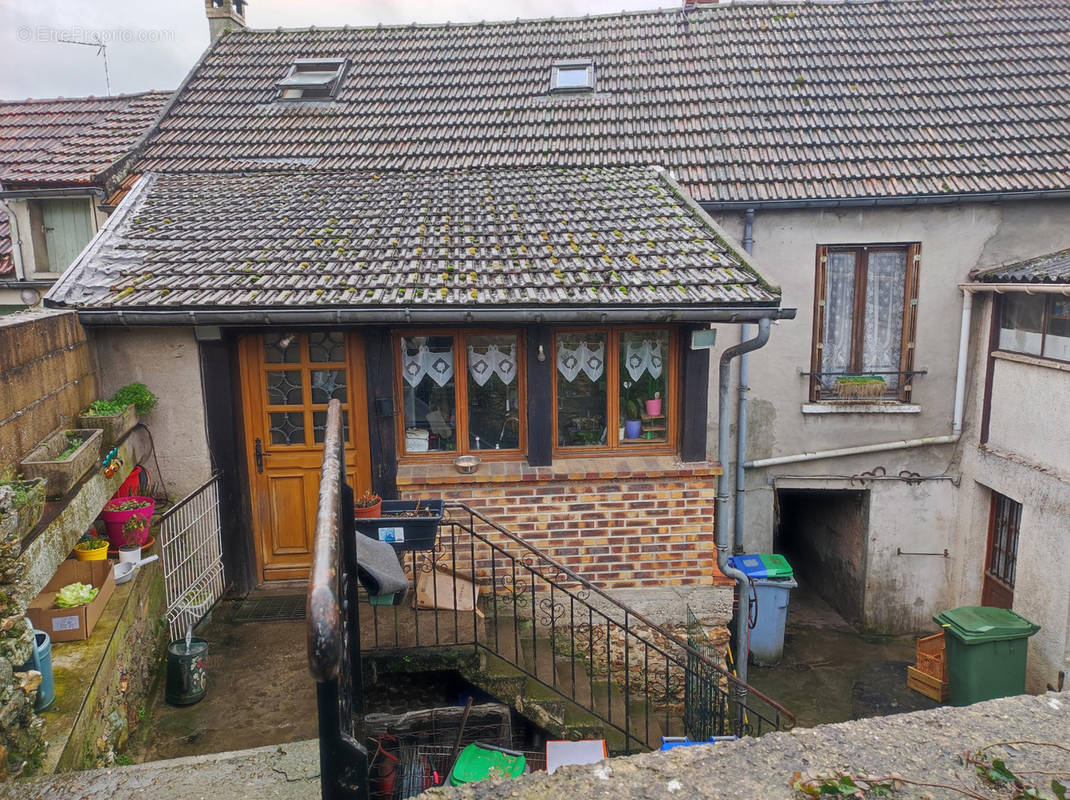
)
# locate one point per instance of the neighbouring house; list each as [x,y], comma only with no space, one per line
[56,165]
[410,215]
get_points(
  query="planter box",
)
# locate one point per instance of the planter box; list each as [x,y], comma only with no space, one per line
[114,520]
[404,533]
[17,521]
[62,476]
[72,624]
[115,427]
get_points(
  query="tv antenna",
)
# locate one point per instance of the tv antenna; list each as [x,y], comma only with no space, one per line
[102,50]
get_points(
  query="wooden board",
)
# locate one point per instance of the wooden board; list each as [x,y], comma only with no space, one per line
[927,685]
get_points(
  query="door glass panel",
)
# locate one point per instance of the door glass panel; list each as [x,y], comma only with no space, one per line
[328,384]
[282,348]
[428,394]
[319,426]
[326,347]
[581,389]
[287,427]
[644,411]
[284,388]
[493,393]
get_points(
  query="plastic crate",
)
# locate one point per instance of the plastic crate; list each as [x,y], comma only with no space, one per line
[929,675]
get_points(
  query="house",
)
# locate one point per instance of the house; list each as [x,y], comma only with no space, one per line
[420,203]
[56,160]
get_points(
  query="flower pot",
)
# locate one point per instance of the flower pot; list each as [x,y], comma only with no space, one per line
[369,511]
[653,407]
[115,427]
[17,519]
[115,519]
[63,475]
[96,554]
[632,427]
[130,553]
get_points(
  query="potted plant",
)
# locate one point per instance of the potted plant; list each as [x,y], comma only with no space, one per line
[63,458]
[134,535]
[368,504]
[856,387]
[119,509]
[90,548]
[118,415]
[21,504]
[406,524]
[653,406]
[632,424]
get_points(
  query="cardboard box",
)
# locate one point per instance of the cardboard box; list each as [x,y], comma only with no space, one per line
[72,624]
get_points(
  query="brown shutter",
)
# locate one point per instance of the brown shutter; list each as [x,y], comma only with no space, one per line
[819,321]
[910,322]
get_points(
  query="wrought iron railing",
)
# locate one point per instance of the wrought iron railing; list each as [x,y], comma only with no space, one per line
[870,386]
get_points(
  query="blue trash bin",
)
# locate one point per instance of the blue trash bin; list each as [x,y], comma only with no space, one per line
[773,579]
[41,660]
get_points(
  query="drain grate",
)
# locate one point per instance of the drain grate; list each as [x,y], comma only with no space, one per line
[271,609]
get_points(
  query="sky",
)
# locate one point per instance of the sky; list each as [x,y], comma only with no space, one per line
[152,44]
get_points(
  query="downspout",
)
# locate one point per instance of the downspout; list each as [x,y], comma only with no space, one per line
[20,262]
[744,388]
[720,527]
[901,444]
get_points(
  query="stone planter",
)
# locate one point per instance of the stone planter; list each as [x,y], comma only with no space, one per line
[62,476]
[115,427]
[17,520]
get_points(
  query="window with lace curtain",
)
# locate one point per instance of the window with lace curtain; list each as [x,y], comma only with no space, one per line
[865,316]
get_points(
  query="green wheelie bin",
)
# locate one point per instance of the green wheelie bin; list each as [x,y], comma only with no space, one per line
[986,650]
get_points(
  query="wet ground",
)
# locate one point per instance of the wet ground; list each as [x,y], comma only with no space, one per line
[831,673]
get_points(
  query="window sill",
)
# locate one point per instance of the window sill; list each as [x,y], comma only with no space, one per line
[861,408]
[563,469]
[1036,361]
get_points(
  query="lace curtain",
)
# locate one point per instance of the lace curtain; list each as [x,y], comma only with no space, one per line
[500,361]
[589,359]
[424,362]
[644,356]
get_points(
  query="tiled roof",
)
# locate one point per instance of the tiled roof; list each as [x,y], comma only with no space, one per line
[7,262]
[494,238]
[65,141]
[744,102]
[1052,268]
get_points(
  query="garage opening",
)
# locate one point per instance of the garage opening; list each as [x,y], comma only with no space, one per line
[823,535]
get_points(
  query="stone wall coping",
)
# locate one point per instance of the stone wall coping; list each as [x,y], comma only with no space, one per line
[628,467]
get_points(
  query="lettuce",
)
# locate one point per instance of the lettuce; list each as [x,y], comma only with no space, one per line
[75,594]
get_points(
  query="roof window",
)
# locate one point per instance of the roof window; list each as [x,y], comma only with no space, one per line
[312,79]
[572,76]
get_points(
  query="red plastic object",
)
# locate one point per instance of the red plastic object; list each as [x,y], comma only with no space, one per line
[115,519]
[132,485]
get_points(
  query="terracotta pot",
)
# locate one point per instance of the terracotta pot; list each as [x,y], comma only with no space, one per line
[369,511]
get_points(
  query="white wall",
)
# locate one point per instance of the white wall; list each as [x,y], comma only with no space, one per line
[954,240]
[166,360]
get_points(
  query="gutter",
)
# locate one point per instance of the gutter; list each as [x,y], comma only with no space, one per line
[410,315]
[874,202]
[45,194]
[1023,288]
[901,444]
[720,526]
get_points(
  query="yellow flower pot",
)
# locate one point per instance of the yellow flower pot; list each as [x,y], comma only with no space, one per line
[83,553]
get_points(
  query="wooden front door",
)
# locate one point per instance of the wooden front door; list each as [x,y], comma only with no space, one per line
[288,379]
[1005,519]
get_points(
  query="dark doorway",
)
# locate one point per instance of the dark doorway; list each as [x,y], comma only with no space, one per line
[823,535]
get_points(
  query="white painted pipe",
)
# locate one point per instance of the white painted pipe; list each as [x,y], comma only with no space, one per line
[960,375]
[817,455]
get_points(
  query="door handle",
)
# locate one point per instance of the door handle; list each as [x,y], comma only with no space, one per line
[258,454]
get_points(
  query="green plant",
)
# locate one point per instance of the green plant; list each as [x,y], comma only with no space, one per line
[104,408]
[138,395]
[124,760]
[125,504]
[133,530]
[367,500]
[74,441]
[88,542]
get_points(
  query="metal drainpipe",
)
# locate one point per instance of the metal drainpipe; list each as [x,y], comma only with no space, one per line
[720,528]
[744,388]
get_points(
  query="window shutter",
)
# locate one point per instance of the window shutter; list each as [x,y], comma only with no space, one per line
[910,321]
[819,321]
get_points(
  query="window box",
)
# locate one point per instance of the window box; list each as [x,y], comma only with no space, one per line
[56,462]
[115,427]
[406,524]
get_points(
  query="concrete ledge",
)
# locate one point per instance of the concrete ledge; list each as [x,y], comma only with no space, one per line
[860,408]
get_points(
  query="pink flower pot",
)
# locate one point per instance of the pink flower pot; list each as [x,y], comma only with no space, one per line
[115,519]
[653,407]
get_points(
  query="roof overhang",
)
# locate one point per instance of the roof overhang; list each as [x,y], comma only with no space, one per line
[882,202]
[45,194]
[1018,288]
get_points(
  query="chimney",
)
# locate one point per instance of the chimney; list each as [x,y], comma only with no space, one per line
[224,15]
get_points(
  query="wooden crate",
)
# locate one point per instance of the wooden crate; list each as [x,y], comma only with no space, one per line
[927,684]
[930,657]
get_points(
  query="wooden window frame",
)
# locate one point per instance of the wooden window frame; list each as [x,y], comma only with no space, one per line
[1010,553]
[907,343]
[1049,299]
[672,403]
[460,396]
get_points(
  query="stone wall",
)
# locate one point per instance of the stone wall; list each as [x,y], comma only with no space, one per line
[640,528]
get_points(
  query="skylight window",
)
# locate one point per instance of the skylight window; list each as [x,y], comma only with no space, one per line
[572,76]
[312,79]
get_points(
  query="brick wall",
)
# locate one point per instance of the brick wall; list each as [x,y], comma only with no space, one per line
[622,523]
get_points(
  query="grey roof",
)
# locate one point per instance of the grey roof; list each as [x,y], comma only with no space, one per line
[744,102]
[518,238]
[1051,268]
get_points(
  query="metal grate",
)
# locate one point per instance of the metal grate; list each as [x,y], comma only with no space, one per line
[271,609]
[192,557]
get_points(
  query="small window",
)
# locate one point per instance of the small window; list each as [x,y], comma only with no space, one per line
[1035,325]
[312,79]
[572,76]
[1005,521]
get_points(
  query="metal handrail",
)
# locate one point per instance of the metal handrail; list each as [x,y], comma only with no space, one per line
[627,610]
